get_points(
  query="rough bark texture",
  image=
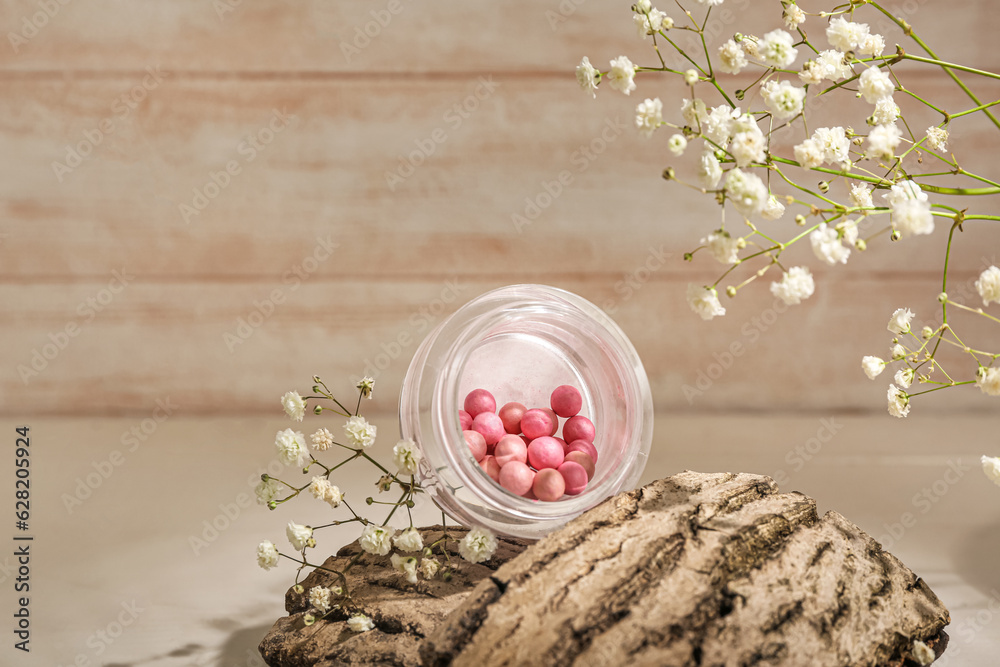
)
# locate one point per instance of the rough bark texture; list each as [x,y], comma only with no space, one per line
[696,569]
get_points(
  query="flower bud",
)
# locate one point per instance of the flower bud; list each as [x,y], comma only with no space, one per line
[926,333]
[824,187]
[264,477]
[308,620]
[861,245]
[691,77]
[369,500]
[800,220]
[298,588]
[318,410]
[688,257]
[668,174]
[895,236]
[272,505]
[316,379]
[316,389]
[740,94]
[730,291]
[942,297]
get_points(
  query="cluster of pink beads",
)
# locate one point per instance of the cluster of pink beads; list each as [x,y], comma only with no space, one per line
[518,447]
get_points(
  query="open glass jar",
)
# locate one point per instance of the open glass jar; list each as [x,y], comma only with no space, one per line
[519,343]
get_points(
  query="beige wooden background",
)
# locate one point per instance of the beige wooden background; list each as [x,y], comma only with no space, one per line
[443,232]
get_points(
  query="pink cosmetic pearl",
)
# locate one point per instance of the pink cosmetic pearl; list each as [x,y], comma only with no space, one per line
[578,428]
[517,477]
[490,467]
[510,415]
[545,452]
[549,485]
[464,420]
[583,458]
[480,400]
[555,419]
[477,444]
[575,477]
[583,446]
[536,422]
[510,448]
[489,425]
[566,401]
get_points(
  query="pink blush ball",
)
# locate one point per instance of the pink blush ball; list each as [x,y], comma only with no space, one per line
[578,428]
[545,452]
[517,478]
[491,467]
[480,400]
[574,476]
[489,425]
[510,415]
[566,401]
[583,446]
[554,417]
[536,423]
[476,443]
[582,458]
[510,448]
[549,485]
[464,420]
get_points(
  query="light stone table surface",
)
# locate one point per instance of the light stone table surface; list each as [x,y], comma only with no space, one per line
[129,553]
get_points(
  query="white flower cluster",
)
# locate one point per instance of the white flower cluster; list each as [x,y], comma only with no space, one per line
[406,456]
[322,489]
[359,432]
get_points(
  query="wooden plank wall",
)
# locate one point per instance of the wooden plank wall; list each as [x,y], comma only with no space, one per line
[351,250]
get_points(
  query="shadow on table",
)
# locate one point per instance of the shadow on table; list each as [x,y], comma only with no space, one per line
[976,558]
[240,650]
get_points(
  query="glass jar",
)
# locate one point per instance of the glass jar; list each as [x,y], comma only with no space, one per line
[519,343]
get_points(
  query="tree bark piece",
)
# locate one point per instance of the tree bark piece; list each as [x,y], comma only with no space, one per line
[693,570]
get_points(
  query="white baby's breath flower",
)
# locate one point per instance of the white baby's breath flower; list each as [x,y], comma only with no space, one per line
[294,406]
[886,112]
[793,16]
[783,99]
[718,125]
[322,440]
[835,65]
[809,153]
[724,248]
[621,76]
[322,489]
[882,142]
[834,143]
[478,545]
[873,366]
[904,377]
[900,321]
[291,447]
[812,73]
[899,402]
[991,466]
[319,597]
[267,490]
[776,49]
[846,35]
[937,138]
[267,555]
[922,653]
[587,76]
[709,171]
[704,301]
[406,456]
[747,192]
[377,540]
[710,3]
[861,196]
[873,45]
[676,144]
[988,381]
[848,231]
[359,432]
[651,21]
[827,247]
[407,565]
[748,147]
[910,208]
[642,6]
[691,76]
[360,623]
[366,386]
[875,85]
[897,352]
[298,535]
[409,540]
[429,567]
[649,116]
[797,284]
[732,60]
[751,45]
[988,285]
[773,209]
[694,112]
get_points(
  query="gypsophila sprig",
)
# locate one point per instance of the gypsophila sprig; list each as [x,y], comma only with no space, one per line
[382,544]
[874,177]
